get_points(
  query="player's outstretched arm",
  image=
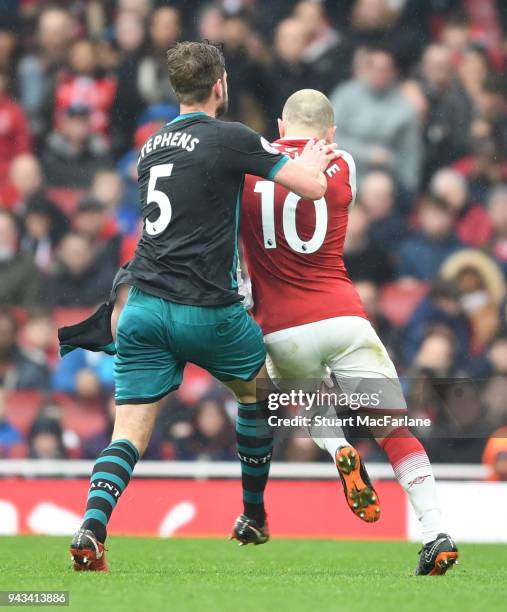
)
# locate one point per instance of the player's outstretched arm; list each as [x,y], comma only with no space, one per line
[305,175]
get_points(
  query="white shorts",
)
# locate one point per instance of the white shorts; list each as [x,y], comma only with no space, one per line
[347,347]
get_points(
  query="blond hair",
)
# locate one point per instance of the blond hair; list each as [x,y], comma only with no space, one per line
[308,109]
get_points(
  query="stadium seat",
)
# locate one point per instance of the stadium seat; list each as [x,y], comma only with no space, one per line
[22,408]
[19,314]
[65,198]
[196,383]
[85,418]
[18,451]
[69,316]
[399,300]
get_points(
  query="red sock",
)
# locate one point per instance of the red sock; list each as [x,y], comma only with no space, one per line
[413,470]
[406,454]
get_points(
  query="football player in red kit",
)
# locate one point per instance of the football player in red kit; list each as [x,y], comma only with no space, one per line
[312,318]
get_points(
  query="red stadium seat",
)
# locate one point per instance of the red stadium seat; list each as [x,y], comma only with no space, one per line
[69,316]
[19,314]
[18,451]
[65,198]
[85,418]
[22,408]
[62,317]
[196,383]
[399,300]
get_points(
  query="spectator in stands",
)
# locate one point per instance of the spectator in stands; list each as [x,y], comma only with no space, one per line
[44,227]
[482,290]
[454,408]
[93,221]
[20,280]
[449,115]
[441,307]
[213,436]
[491,372]
[51,410]
[370,298]
[38,336]
[140,8]
[83,85]
[301,448]
[325,52]
[8,48]
[15,135]
[245,74]
[86,375]
[25,182]
[128,103]
[456,32]
[92,446]
[436,355]
[473,70]
[376,123]
[363,259]
[10,436]
[472,224]
[491,111]
[484,168]
[210,23]
[45,440]
[78,278]
[374,22]
[73,154]
[175,421]
[19,368]
[421,254]
[495,455]
[30,201]
[163,31]
[497,210]
[496,358]
[377,198]
[461,421]
[414,94]
[38,71]
[289,72]
[108,189]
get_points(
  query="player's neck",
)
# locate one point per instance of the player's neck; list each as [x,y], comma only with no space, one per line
[207,109]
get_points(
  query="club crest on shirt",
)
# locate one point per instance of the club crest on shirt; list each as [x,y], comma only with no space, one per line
[267,146]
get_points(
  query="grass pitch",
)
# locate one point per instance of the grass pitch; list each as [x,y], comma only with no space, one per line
[215,575]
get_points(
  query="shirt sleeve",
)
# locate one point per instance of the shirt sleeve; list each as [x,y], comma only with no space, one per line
[246,152]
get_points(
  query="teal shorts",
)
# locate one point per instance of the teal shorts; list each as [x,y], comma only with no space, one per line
[155,338]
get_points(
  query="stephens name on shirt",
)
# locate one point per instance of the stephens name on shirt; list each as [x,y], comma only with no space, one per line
[168,139]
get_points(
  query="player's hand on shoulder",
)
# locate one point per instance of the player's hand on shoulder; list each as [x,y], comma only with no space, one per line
[319,153]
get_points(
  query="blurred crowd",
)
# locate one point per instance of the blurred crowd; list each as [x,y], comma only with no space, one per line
[419,89]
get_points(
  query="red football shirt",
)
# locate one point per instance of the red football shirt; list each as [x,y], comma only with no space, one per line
[294,247]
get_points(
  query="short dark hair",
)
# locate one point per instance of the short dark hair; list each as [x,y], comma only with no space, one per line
[194,67]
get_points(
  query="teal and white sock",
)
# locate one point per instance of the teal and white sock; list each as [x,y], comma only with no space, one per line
[110,477]
[255,446]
